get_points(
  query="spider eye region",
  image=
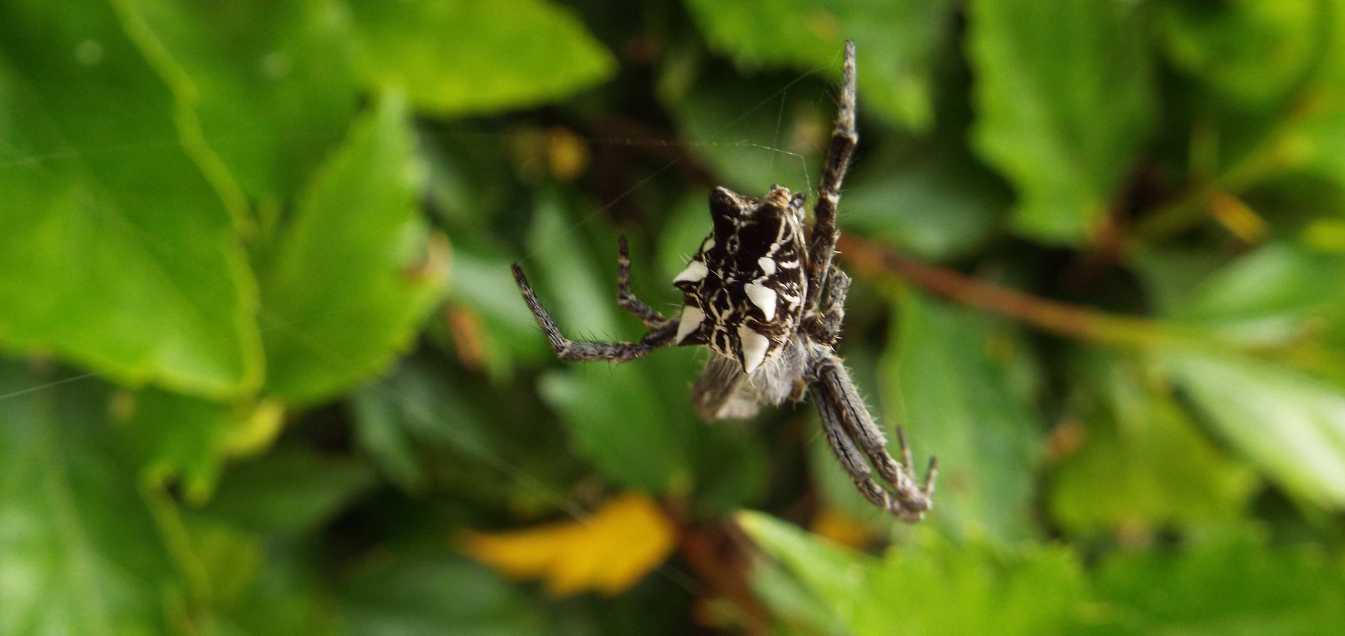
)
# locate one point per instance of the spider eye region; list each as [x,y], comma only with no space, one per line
[744,288]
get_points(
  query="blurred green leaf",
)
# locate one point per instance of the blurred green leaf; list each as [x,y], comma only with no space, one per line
[411,410]
[272,81]
[794,609]
[1291,424]
[752,134]
[932,587]
[894,44]
[946,382]
[130,264]
[1283,405]
[79,551]
[1223,586]
[1064,103]
[507,332]
[615,419]
[288,491]
[283,596]
[1143,452]
[578,292]
[1317,128]
[349,279]
[1276,295]
[687,226]
[597,401]
[731,466]
[436,432]
[426,593]
[182,437]
[457,58]
[1252,52]
[933,204]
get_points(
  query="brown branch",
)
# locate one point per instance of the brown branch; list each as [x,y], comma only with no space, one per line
[874,261]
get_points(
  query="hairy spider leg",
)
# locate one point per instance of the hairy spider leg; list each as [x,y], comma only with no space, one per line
[844,138]
[825,327]
[625,298]
[854,436]
[587,350]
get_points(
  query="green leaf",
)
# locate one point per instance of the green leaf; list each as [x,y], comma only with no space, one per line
[579,292]
[184,437]
[946,382]
[597,400]
[732,468]
[425,593]
[1275,295]
[507,331]
[1232,585]
[1254,53]
[934,204]
[288,491]
[1283,407]
[129,260]
[834,573]
[272,82]
[284,596]
[435,50]
[600,403]
[79,552]
[932,587]
[1144,452]
[434,431]
[750,143]
[1288,422]
[1065,101]
[894,44]
[349,279]
[1314,138]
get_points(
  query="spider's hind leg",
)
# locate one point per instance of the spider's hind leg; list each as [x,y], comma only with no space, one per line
[855,437]
[625,298]
[582,350]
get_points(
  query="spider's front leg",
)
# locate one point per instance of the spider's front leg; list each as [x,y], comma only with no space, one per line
[626,298]
[583,350]
[825,326]
[855,437]
[844,138]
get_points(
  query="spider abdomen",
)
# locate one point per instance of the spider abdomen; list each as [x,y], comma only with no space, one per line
[744,289]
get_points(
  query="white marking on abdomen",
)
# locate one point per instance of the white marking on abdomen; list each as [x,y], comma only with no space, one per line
[754,347]
[692,316]
[694,273]
[763,297]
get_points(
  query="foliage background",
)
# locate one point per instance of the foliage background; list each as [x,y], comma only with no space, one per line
[266,371]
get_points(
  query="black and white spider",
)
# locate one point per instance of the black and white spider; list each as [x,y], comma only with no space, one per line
[763,295]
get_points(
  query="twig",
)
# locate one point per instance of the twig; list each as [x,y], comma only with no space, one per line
[872,260]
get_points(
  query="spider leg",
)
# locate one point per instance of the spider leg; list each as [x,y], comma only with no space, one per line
[854,436]
[931,471]
[844,138]
[626,298]
[583,350]
[825,327]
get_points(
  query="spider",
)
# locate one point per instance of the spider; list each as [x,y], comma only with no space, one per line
[763,295]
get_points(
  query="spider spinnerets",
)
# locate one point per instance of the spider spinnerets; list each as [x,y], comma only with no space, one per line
[762,293]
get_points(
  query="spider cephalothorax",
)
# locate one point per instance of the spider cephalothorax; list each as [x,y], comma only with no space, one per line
[762,294]
[744,289]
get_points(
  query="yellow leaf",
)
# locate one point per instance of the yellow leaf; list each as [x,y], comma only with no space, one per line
[607,552]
